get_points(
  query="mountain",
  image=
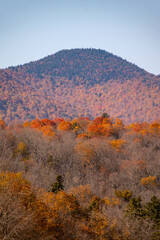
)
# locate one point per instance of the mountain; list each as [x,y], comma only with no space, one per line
[78,82]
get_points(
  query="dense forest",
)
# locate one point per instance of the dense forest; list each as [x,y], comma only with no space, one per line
[79,82]
[80,179]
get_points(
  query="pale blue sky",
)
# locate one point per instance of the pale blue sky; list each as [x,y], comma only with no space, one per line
[33,29]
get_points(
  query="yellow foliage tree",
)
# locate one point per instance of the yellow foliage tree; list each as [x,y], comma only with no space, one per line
[85,151]
[149,181]
[22,149]
[82,193]
[118,144]
[64,126]
[48,131]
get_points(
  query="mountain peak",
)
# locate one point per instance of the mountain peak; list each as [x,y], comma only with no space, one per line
[98,65]
[77,82]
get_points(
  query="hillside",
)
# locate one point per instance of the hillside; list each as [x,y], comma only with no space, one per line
[78,82]
[80,180]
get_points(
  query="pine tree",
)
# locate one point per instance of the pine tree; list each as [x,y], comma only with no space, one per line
[58,185]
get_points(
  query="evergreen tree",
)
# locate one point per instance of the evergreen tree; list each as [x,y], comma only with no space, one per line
[58,185]
[105,115]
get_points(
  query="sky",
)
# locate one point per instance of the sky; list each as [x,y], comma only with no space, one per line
[33,29]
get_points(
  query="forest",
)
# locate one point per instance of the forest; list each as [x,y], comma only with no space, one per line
[80,179]
[79,82]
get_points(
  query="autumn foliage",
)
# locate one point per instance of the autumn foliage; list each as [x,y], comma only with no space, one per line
[79,82]
[83,179]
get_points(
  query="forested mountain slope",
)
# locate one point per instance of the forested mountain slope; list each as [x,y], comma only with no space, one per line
[79,82]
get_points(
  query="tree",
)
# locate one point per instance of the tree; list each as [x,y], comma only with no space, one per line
[65,126]
[2,124]
[152,210]
[105,115]
[58,185]
[124,194]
